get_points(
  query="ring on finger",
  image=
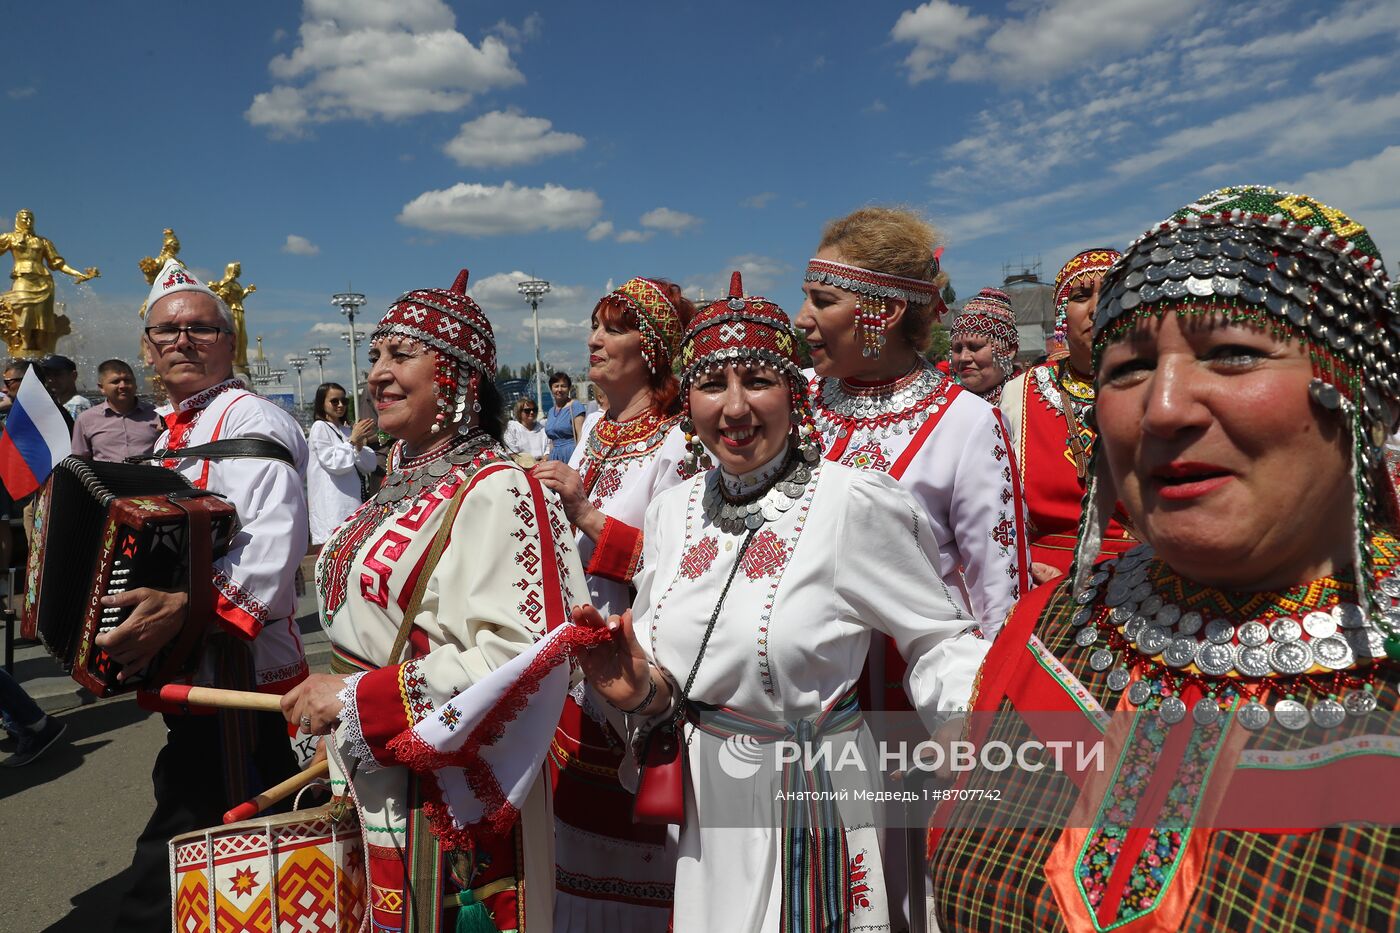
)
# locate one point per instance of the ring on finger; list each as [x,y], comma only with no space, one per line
[306,723]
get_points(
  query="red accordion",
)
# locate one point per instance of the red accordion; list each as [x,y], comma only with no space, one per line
[105,528]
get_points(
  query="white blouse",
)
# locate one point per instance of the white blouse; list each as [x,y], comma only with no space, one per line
[522,440]
[333,477]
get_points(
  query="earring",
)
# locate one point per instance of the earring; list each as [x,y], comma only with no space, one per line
[870,326]
[696,457]
[805,437]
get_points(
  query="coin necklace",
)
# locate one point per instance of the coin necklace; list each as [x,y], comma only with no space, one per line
[735,514]
[412,476]
[839,406]
[1134,622]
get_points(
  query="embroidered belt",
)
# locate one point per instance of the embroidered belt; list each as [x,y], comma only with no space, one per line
[343,662]
[816,865]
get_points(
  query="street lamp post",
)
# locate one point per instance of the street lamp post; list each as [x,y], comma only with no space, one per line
[534,290]
[299,363]
[348,303]
[319,354]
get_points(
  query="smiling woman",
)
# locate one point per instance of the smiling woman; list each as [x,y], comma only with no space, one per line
[1247,642]
[773,526]
[459,559]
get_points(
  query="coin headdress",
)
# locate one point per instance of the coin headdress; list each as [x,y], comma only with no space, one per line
[1303,270]
[448,322]
[989,315]
[746,329]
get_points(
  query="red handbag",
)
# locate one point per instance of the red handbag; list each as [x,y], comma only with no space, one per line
[661,785]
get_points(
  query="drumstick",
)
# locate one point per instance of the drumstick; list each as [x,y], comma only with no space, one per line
[251,808]
[185,695]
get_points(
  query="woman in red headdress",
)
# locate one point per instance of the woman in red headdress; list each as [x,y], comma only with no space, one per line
[611,873]
[460,562]
[1048,410]
[754,612]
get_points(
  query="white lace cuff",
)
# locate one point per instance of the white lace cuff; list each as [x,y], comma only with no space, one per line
[352,737]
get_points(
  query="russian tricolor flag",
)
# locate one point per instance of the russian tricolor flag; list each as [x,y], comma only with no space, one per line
[35,439]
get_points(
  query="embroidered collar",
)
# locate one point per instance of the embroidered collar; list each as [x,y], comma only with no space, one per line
[202,399]
[748,484]
[623,440]
[1309,650]
[889,406]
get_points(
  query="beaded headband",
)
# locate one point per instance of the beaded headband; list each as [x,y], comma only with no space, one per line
[657,319]
[1087,264]
[871,283]
[449,322]
[1302,269]
[989,314]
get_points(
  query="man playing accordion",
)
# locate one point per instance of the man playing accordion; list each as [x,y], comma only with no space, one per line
[212,761]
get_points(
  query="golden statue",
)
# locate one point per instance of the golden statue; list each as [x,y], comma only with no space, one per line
[28,322]
[150,265]
[233,292]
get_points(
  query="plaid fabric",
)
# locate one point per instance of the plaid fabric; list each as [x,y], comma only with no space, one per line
[1341,878]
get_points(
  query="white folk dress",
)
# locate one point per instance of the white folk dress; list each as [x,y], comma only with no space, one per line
[508,572]
[854,555]
[949,448]
[612,874]
[254,583]
[333,476]
[624,465]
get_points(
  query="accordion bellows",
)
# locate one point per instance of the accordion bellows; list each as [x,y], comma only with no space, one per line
[102,528]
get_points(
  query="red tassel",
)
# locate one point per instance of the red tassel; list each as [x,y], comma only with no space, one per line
[460,286]
[736,285]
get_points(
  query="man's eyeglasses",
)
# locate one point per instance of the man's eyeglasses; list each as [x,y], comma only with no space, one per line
[165,335]
[13,382]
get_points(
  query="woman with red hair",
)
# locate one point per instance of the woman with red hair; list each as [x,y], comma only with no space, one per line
[611,874]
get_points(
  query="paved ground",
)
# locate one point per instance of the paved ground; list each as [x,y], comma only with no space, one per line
[68,821]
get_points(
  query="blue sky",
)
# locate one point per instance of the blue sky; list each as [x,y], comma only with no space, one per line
[384,145]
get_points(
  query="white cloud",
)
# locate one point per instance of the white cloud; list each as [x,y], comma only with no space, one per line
[487,210]
[600,231]
[663,218]
[558,327]
[21,93]
[299,246]
[876,106]
[1354,73]
[762,275]
[501,138]
[1368,183]
[364,59]
[634,236]
[758,201]
[516,36]
[937,29]
[1067,34]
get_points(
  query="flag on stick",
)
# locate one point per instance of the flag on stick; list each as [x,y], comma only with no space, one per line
[36,438]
